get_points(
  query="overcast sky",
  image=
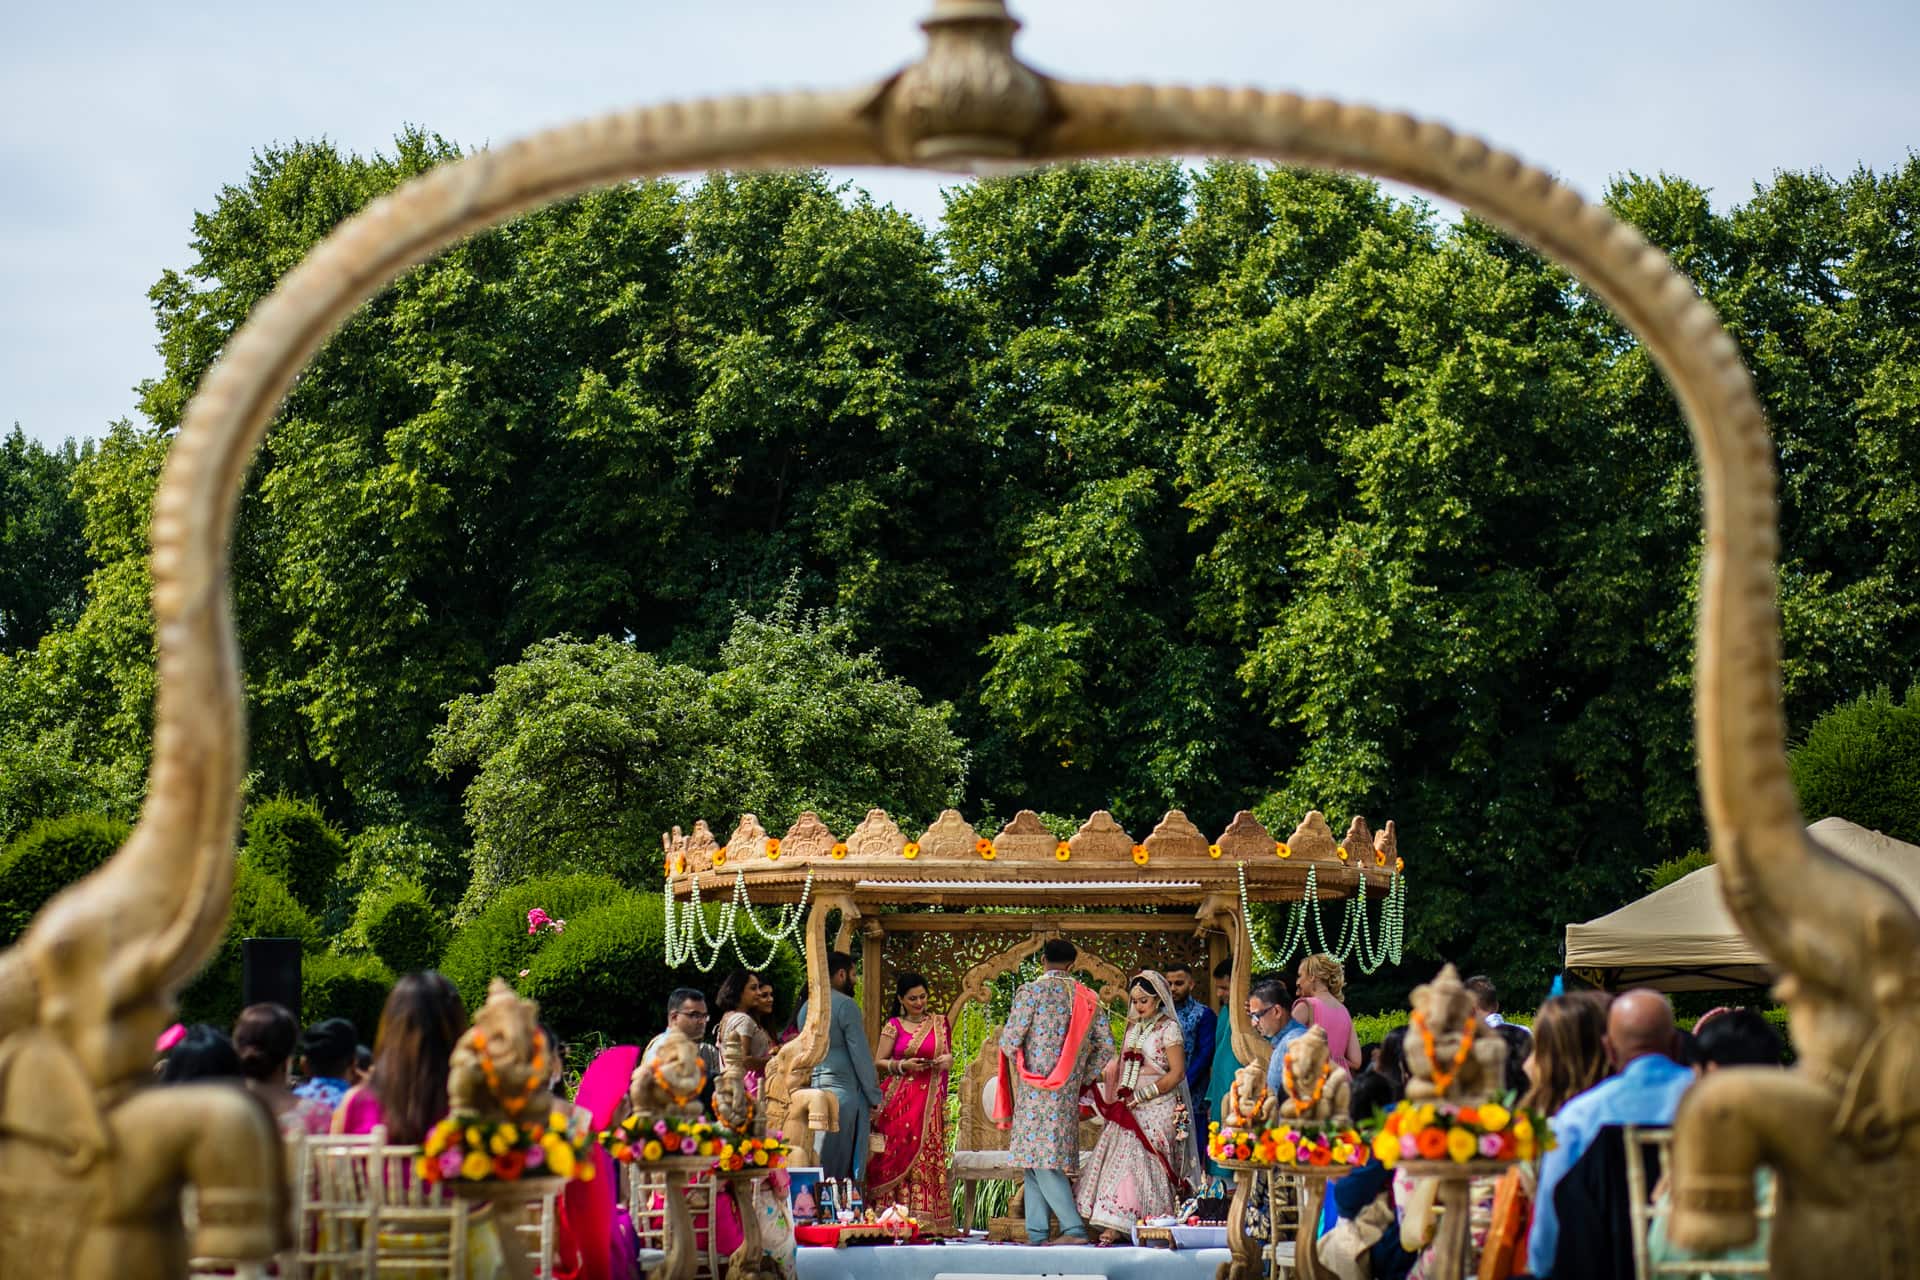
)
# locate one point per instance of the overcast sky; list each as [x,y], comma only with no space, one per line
[118,121]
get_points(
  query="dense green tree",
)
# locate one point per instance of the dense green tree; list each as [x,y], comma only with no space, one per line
[291,840]
[43,551]
[262,908]
[1861,761]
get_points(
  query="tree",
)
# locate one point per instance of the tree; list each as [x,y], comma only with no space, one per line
[43,553]
[290,839]
[583,753]
[1861,761]
[50,856]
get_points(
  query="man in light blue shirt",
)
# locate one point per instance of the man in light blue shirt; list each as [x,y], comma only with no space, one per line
[1646,1091]
[1267,1006]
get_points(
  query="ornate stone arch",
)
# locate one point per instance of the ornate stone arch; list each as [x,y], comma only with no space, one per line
[1107,979]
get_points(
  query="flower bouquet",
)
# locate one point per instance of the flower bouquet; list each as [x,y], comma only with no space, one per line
[1328,1147]
[729,1150]
[467,1150]
[1445,1131]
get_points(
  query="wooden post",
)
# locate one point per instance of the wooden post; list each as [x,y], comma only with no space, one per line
[873,977]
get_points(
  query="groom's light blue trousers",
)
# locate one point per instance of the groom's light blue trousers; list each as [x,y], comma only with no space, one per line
[1049,1189]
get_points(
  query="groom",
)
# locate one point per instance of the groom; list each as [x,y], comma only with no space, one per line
[1056,1040]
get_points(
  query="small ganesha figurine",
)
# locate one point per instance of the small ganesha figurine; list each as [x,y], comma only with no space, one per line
[1249,1104]
[1451,1054]
[500,1068]
[1317,1089]
[669,1080]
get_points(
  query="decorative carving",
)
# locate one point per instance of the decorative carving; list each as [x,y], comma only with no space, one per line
[808,837]
[499,1068]
[700,847]
[1451,1054]
[1312,840]
[950,836]
[1245,839]
[1025,839]
[876,836]
[1358,842]
[748,841]
[969,97]
[668,1081]
[1318,1091]
[1175,837]
[1100,837]
[1386,847]
[1249,1104]
[1109,981]
[810,1113]
[732,1105]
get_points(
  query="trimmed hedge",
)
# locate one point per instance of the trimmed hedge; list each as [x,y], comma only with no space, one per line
[608,973]
[262,908]
[1861,761]
[495,943]
[350,987]
[46,858]
[291,839]
[402,927]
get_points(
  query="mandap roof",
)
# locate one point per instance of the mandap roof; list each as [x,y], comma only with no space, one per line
[1023,864]
[1681,938]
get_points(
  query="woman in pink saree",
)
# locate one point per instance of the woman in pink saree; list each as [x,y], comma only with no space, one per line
[910,1167]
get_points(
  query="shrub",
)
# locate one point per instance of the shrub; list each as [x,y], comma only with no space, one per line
[382,855]
[262,908]
[608,973]
[290,839]
[350,987]
[50,855]
[1662,874]
[1861,761]
[402,927]
[495,942]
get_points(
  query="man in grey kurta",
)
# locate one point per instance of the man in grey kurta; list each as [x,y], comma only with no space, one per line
[1045,1141]
[847,1073]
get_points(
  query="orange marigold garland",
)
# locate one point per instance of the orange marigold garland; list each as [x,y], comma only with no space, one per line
[1443,1077]
[1305,1104]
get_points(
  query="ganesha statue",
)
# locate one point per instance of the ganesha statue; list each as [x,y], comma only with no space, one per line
[501,1066]
[1249,1104]
[1317,1088]
[1452,1055]
[669,1080]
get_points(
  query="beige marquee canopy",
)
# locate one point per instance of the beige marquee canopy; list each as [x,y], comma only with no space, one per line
[1680,938]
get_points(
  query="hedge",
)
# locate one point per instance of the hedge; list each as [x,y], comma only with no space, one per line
[495,943]
[262,908]
[608,973]
[291,839]
[1861,761]
[350,987]
[402,927]
[47,857]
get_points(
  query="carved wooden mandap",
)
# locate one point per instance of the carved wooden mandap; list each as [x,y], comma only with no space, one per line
[1127,904]
[91,1167]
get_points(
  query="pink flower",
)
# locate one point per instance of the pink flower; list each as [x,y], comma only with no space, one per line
[536,918]
[1409,1149]
[660,1127]
[689,1146]
[450,1164]
[1489,1145]
[525,972]
[536,1156]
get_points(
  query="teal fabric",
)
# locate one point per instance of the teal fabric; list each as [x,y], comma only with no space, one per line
[1219,1082]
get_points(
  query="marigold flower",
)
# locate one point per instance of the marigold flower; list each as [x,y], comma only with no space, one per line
[651,1151]
[1062,851]
[1494,1117]
[559,1157]
[910,850]
[1139,855]
[1213,851]
[1399,864]
[1342,851]
[1280,849]
[838,851]
[1431,1142]
[773,848]
[1379,857]
[476,1166]
[720,857]
[1386,1149]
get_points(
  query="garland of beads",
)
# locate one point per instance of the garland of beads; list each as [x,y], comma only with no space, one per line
[1356,938]
[686,926]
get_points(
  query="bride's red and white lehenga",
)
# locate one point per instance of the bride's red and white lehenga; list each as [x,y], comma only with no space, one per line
[1145,1162]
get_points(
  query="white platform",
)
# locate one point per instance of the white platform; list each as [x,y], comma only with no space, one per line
[973,1261]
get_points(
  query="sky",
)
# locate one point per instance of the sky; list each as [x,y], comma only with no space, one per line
[118,121]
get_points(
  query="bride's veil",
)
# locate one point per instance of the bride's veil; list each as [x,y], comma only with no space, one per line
[1185,1157]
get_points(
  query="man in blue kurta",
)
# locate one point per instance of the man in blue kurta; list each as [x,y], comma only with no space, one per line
[1055,1041]
[1196,1037]
[846,1072]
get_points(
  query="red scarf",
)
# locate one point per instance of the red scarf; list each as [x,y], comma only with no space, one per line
[1086,1006]
[1118,1112]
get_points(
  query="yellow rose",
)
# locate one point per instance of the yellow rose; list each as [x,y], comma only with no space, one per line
[1284,1152]
[1424,1116]
[1461,1145]
[558,1120]
[1494,1117]
[436,1143]
[476,1166]
[498,1143]
[473,1137]
[1386,1149]
[1523,1128]
[509,1135]
[559,1157]
[651,1151]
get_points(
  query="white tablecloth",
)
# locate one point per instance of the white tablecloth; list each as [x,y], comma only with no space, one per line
[985,1261]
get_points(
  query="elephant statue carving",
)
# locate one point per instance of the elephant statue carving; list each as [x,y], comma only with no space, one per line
[810,1112]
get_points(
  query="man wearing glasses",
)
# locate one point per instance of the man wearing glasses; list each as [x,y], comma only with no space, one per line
[687,1014]
[1267,1007]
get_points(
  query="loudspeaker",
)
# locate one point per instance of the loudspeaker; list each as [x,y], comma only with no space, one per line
[270,971]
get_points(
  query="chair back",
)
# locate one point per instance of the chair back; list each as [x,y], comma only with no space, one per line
[647,1208]
[419,1228]
[1648,1205]
[333,1193]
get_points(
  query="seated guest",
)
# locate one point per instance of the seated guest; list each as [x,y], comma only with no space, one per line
[203,1053]
[1646,1091]
[687,1014]
[327,1051]
[1366,1240]
[263,1040]
[1519,1045]
[1733,1038]
[1567,1052]
[362,1065]
[407,1093]
[1391,1061]
[1486,1001]
[847,1071]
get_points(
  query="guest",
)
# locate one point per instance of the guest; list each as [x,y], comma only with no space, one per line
[203,1053]
[1387,1077]
[362,1065]
[1486,1001]
[687,1014]
[1519,1045]
[1055,1039]
[846,1072]
[1369,1056]
[1733,1038]
[1225,1061]
[327,1056]
[602,1095]
[1267,1007]
[1646,1091]
[1391,1061]
[1367,1239]
[1322,983]
[1196,1026]
[916,1050]
[407,1092]
[263,1040]
[1142,1166]
[745,1002]
[1569,1051]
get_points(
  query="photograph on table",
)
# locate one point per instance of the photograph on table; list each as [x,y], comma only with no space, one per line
[803,1194]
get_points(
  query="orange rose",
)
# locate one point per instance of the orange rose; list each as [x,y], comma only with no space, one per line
[1468,1115]
[1431,1142]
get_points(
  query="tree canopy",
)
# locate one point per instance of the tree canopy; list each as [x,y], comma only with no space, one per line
[1138,485]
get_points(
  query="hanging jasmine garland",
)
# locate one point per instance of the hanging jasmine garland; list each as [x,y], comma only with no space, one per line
[687,935]
[1356,937]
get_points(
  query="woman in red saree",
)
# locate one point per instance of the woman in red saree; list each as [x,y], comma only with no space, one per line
[910,1168]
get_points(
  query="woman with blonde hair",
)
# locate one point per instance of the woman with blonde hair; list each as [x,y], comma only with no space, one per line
[1322,986]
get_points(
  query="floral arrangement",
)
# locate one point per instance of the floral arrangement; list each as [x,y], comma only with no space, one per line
[1444,1131]
[1286,1144]
[538,919]
[470,1150]
[729,1150]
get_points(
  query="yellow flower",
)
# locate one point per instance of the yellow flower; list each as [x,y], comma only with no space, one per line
[838,851]
[720,857]
[584,1171]
[1280,849]
[476,1166]
[1399,864]
[1213,851]
[557,1120]
[436,1142]
[1461,1144]
[1342,851]
[1284,1152]
[1494,1117]
[1523,1128]
[473,1136]
[759,1157]
[1342,1153]
[498,1143]
[984,848]
[423,1168]
[1386,1149]
[1139,855]
[651,1151]
[1424,1116]
[1061,851]
[773,848]
[1379,857]
[910,850]
[559,1156]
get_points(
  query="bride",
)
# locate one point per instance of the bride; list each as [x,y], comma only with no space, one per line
[1145,1161]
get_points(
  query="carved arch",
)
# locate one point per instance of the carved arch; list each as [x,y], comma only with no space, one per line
[1108,980]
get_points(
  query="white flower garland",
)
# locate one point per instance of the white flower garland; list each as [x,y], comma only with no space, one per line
[686,926]
[1355,937]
